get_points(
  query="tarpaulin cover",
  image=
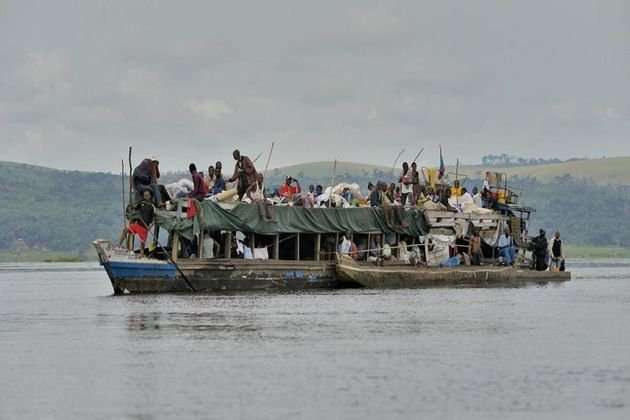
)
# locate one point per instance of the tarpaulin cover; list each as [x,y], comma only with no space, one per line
[244,217]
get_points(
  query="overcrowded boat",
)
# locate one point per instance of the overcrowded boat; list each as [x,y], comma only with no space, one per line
[221,243]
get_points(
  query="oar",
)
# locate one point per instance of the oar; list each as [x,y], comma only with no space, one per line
[171,260]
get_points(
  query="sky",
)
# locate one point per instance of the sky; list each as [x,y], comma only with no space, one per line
[189,81]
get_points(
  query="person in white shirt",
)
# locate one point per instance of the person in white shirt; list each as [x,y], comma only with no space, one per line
[257,195]
[477,197]
[210,247]
[506,248]
[406,185]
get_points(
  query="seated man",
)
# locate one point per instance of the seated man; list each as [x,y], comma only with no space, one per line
[256,193]
[287,191]
[506,248]
[307,200]
[144,215]
[347,195]
[145,177]
[391,209]
[209,178]
[456,191]
[219,181]
[199,191]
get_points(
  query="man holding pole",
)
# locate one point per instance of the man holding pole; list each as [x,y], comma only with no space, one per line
[244,172]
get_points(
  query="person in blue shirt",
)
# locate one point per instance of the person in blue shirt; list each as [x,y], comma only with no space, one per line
[506,248]
[219,182]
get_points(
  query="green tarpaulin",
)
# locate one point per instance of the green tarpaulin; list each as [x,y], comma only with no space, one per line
[244,218]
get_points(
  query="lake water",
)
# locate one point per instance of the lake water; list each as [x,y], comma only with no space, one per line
[71,350]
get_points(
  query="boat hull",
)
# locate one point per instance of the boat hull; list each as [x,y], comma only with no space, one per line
[146,277]
[464,276]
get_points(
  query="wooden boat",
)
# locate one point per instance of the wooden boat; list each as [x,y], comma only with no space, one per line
[300,248]
[130,273]
[397,276]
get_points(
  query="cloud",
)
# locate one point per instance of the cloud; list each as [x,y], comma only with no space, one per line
[141,84]
[43,69]
[210,110]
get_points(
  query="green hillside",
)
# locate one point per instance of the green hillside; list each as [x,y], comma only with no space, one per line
[63,211]
[605,171]
[56,210]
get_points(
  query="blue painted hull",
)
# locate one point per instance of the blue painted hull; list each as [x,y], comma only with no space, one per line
[147,277]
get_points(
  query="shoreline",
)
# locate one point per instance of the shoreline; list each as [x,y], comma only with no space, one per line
[13,256]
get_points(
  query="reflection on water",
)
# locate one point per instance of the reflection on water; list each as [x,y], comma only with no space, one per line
[69,349]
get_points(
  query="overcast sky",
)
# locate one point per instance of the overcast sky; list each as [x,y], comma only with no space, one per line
[189,81]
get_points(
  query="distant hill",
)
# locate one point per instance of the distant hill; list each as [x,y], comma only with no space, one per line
[45,208]
[605,171]
[64,211]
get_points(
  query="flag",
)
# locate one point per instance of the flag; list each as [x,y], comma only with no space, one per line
[442,167]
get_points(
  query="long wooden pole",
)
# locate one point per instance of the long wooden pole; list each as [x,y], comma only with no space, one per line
[332,182]
[122,178]
[130,237]
[418,155]
[168,256]
[130,175]
[395,162]
[457,179]
[268,160]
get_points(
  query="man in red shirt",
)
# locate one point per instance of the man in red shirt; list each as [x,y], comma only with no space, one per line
[200,189]
[287,191]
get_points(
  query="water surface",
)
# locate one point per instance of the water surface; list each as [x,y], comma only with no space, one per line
[71,350]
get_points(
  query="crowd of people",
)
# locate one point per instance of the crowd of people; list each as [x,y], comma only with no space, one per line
[247,184]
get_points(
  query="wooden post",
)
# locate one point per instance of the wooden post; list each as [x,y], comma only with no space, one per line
[175,250]
[318,246]
[457,179]
[227,246]
[297,247]
[276,247]
[200,244]
[332,182]
[124,206]
[334,251]
[130,176]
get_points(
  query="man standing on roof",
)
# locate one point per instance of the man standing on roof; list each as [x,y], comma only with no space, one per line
[406,185]
[219,181]
[244,172]
[287,191]
[145,177]
[199,191]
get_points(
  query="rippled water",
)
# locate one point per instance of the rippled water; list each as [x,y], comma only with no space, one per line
[69,349]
